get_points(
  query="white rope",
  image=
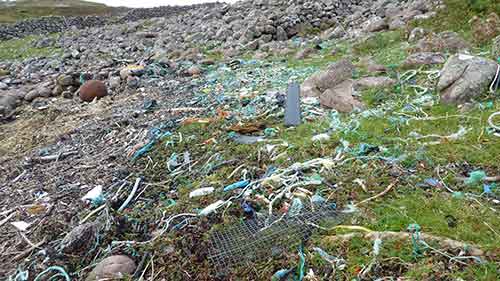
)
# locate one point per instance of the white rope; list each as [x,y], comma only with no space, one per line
[492,86]
[492,124]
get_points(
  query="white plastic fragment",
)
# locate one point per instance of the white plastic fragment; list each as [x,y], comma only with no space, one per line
[201,192]
[20,225]
[211,208]
[321,137]
[93,195]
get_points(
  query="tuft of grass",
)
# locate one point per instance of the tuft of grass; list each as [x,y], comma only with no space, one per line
[24,48]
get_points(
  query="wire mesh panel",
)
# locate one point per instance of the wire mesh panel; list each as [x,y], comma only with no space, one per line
[264,236]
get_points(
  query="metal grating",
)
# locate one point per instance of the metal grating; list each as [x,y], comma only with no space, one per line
[265,236]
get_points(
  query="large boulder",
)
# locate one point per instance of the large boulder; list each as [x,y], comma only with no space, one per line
[444,41]
[340,97]
[465,77]
[424,58]
[112,268]
[93,89]
[333,87]
[374,82]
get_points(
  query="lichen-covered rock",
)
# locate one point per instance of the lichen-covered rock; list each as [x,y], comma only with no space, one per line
[465,77]
[424,58]
[81,238]
[374,82]
[113,267]
[8,103]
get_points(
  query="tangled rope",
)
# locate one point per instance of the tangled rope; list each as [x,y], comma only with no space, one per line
[494,85]
[493,125]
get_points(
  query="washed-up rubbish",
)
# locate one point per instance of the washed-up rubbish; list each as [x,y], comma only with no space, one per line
[172,162]
[281,274]
[338,263]
[458,195]
[236,185]
[20,225]
[488,188]
[201,192]
[145,149]
[247,208]
[295,208]
[430,182]
[211,208]
[318,199]
[475,177]
[94,196]
[170,203]
[292,106]
[270,132]
[302,263]
[242,139]
[62,273]
[321,137]
[248,128]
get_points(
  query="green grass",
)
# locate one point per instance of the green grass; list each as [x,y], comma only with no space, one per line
[24,48]
[33,9]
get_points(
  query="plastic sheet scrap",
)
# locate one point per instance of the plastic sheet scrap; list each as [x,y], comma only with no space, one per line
[475,178]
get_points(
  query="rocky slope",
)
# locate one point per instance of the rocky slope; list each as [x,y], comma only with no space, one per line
[126,145]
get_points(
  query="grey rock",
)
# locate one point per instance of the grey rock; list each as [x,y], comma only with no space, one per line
[376,24]
[3,86]
[65,80]
[341,98]
[424,58]
[115,82]
[281,34]
[465,77]
[374,82]
[113,267]
[81,238]
[31,95]
[8,103]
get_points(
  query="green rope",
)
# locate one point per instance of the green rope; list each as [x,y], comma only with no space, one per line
[415,238]
[302,263]
[61,273]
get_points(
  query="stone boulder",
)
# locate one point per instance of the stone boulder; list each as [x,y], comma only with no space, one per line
[93,89]
[113,267]
[81,238]
[465,77]
[424,58]
[374,82]
[444,41]
[333,87]
[376,24]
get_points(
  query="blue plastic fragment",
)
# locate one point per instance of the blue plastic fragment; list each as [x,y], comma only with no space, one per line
[248,209]
[488,188]
[236,185]
[318,199]
[295,208]
[280,274]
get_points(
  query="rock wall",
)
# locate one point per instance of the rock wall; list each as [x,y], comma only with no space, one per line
[53,24]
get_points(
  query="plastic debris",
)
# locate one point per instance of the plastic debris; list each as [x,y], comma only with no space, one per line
[20,225]
[242,139]
[201,192]
[236,185]
[337,263]
[280,274]
[211,208]
[292,107]
[62,273]
[302,263]
[295,208]
[318,199]
[321,137]
[475,177]
[458,195]
[94,196]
